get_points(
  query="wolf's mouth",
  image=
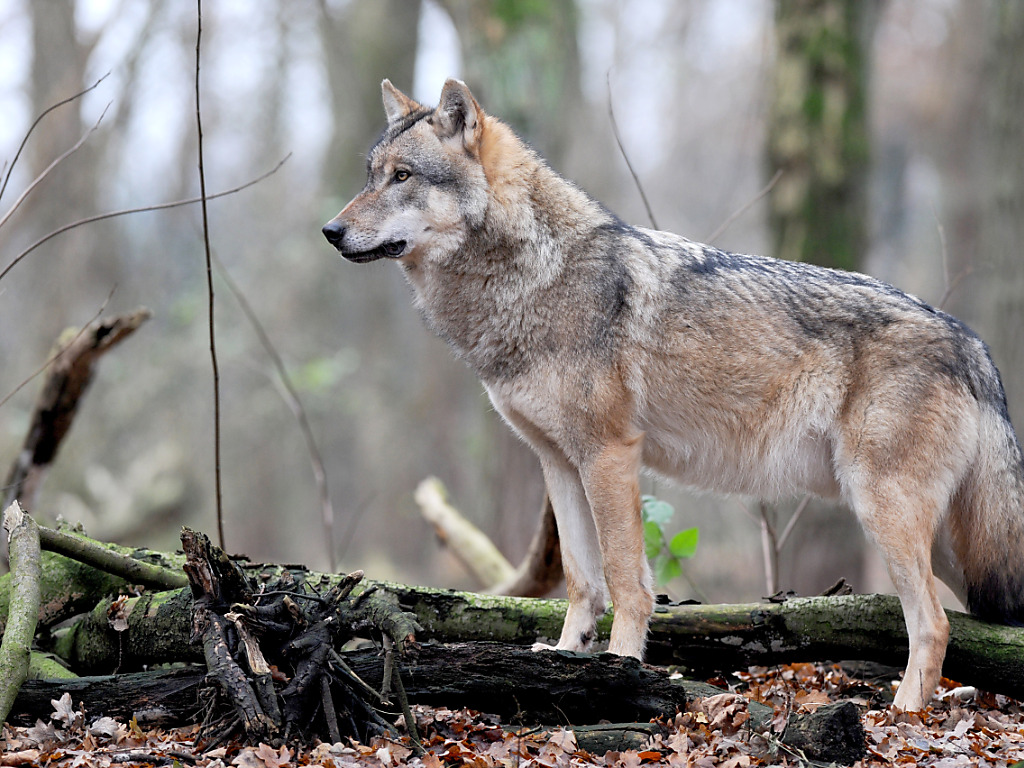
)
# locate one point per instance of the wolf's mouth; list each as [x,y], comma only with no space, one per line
[388,250]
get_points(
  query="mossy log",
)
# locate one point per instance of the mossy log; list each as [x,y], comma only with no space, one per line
[703,637]
[157,625]
[69,587]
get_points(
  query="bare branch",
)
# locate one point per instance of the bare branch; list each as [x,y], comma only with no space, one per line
[59,400]
[622,149]
[62,350]
[209,289]
[28,133]
[791,524]
[50,167]
[770,550]
[950,285]
[112,214]
[744,208]
[291,397]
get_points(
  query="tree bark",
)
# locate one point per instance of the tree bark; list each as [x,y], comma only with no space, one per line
[1001,300]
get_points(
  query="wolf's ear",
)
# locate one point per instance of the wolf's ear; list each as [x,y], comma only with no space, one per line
[458,116]
[396,104]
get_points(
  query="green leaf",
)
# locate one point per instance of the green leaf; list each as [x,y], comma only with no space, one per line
[665,569]
[656,510]
[653,539]
[684,543]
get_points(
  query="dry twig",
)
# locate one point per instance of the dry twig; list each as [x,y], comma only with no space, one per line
[209,289]
[28,133]
[622,149]
[126,211]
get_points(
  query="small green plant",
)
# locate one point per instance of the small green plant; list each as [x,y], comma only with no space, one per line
[666,554]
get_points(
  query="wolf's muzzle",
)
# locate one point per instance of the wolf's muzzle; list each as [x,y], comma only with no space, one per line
[334,231]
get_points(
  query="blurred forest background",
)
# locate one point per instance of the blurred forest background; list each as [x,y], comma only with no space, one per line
[896,125]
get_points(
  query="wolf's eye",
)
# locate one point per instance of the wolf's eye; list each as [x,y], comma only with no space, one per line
[402,175]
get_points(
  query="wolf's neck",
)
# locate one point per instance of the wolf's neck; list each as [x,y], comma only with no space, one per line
[530,206]
[494,298]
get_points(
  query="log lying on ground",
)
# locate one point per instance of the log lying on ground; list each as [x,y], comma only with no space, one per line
[521,687]
[728,637]
[724,637]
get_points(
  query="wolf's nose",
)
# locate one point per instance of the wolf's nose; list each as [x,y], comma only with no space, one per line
[334,231]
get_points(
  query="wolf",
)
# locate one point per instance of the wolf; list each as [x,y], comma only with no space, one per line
[611,348]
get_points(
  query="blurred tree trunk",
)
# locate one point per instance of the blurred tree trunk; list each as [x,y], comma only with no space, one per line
[1002,235]
[818,130]
[70,191]
[522,61]
[818,138]
[363,42]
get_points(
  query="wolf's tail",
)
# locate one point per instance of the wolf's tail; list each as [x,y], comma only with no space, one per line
[988,513]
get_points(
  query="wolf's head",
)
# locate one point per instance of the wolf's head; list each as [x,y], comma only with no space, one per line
[425,187]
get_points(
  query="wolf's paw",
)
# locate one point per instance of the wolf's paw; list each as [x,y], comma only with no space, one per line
[543,647]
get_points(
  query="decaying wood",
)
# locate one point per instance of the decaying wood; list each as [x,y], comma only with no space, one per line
[520,685]
[23,543]
[832,733]
[68,377]
[553,689]
[165,698]
[701,637]
[246,632]
[728,637]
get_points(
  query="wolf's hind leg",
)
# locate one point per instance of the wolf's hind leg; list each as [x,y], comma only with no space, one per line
[903,526]
[581,553]
[612,482]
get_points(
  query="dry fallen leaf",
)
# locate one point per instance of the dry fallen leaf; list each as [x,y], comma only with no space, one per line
[64,710]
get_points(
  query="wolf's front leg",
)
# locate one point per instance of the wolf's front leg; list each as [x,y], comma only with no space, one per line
[612,485]
[581,552]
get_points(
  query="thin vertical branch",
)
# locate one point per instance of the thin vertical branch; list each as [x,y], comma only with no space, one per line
[209,287]
[291,397]
[622,149]
[770,550]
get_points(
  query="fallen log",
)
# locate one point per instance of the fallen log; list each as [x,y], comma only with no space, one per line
[698,637]
[523,688]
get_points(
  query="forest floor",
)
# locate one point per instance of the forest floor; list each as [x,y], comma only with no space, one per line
[963,727]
